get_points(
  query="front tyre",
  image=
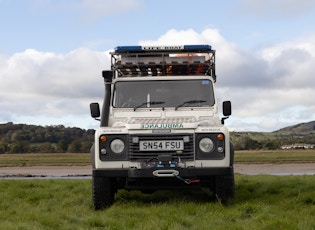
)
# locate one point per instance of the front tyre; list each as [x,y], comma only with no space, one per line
[103,192]
[224,188]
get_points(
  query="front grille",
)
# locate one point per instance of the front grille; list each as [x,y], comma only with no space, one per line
[136,155]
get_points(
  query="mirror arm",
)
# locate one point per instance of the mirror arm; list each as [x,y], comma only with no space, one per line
[223,119]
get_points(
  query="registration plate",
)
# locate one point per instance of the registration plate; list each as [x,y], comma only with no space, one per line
[162,145]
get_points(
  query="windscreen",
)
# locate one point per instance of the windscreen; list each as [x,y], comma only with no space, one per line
[163,93]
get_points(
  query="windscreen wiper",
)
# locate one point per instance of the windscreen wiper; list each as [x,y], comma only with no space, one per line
[189,102]
[148,103]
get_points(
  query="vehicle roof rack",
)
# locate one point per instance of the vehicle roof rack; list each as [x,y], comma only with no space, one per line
[133,61]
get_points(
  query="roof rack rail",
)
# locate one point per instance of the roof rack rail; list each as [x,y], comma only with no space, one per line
[132,61]
[185,48]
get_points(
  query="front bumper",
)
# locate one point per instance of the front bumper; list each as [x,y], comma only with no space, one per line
[151,172]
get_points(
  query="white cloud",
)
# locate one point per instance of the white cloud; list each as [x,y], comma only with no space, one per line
[292,63]
[34,72]
[189,37]
[41,83]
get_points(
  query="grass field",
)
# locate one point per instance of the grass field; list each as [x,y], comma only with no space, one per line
[261,202]
[275,156]
[68,159]
[45,159]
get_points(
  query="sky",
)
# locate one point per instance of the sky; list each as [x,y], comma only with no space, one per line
[52,53]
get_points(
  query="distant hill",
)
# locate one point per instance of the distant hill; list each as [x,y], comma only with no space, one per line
[299,129]
[303,133]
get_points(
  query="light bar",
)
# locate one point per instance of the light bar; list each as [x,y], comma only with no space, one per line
[122,49]
[198,47]
[191,48]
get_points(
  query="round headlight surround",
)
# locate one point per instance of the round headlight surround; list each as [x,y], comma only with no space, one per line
[117,146]
[206,145]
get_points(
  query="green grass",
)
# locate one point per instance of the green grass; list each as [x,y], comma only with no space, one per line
[261,202]
[275,156]
[45,159]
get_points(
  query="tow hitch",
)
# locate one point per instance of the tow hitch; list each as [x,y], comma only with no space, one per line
[166,173]
[173,173]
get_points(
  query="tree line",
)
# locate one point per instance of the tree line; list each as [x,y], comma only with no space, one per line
[268,140]
[22,138]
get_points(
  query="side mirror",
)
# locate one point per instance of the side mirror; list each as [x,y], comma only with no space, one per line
[95,110]
[227,110]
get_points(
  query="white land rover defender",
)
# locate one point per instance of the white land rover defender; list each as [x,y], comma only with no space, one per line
[159,124]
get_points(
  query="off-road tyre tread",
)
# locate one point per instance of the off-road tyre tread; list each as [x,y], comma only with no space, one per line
[103,192]
[224,188]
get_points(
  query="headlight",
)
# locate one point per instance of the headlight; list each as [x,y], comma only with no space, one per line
[117,146]
[206,145]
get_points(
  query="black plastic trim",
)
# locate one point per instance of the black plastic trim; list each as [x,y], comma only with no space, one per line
[148,173]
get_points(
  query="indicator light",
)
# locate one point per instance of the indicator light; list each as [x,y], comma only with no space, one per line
[103,138]
[220,137]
